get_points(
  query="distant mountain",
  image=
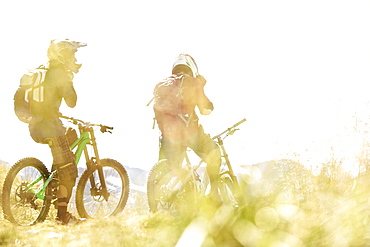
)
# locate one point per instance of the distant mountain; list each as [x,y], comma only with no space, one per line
[137,177]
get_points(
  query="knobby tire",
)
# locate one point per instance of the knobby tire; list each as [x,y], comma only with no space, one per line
[166,190]
[156,177]
[19,204]
[90,202]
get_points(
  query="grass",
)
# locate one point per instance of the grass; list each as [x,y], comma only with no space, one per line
[298,209]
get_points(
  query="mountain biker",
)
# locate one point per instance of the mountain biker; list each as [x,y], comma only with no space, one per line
[47,128]
[178,132]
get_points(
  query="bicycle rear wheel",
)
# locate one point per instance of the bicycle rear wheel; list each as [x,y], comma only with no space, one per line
[19,202]
[92,201]
[167,191]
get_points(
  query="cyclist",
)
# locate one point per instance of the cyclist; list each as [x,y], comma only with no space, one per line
[182,130]
[46,127]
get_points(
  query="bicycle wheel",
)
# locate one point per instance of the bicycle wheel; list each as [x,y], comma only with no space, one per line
[166,189]
[19,202]
[229,191]
[92,202]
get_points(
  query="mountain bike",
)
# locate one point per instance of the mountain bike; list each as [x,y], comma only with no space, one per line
[30,189]
[172,188]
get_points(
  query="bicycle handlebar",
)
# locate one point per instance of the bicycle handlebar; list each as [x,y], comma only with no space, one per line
[103,128]
[230,129]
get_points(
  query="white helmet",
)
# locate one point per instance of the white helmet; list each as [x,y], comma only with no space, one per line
[63,51]
[185,63]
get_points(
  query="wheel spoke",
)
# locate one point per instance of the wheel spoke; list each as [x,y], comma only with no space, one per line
[166,191]
[93,202]
[20,204]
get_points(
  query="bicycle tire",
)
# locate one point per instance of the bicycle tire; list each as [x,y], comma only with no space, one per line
[165,189]
[19,206]
[95,206]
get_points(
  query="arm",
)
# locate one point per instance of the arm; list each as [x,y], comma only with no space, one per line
[67,90]
[204,104]
[71,99]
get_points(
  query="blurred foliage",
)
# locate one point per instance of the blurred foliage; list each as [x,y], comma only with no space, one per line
[292,208]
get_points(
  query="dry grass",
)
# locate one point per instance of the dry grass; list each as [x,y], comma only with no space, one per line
[301,210]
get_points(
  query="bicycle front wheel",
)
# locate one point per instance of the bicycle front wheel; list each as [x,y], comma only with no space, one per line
[19,201]
[167,190]
[92,201]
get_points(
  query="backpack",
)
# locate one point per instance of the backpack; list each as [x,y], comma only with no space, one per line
[29,92]
[168,96]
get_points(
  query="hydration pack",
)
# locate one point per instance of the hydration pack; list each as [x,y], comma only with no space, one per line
[168,96]
[29,92]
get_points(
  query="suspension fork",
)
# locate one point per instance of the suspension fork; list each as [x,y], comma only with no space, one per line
[226,157]
[103,190]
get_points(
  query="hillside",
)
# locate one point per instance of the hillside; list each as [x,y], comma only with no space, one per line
[298,209]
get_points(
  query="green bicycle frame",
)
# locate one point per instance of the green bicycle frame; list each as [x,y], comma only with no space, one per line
[80,143]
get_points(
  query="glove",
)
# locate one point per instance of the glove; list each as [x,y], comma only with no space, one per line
[202,80]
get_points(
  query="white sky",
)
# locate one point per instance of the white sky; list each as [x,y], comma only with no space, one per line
[297,70]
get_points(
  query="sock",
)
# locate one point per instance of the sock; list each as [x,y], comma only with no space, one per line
[62,211]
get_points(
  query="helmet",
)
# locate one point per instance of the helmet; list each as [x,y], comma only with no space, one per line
[185,63]
[63,51]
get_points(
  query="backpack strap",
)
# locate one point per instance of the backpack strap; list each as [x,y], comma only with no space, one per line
[179,93]
[38,89]
[186,118]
